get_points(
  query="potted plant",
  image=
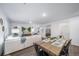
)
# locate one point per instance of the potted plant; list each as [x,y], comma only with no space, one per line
[29,30]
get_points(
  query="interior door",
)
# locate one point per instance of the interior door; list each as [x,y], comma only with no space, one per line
[1,36]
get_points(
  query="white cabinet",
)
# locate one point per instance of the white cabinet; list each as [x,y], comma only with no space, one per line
[37,38]
[31,39]
[28,42]
[13,44]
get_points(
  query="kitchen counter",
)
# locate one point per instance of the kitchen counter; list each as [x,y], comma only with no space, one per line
[13,44]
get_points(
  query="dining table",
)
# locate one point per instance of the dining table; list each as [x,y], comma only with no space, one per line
[52,47]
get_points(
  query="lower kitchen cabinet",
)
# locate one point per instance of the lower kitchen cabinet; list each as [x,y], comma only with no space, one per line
[14,43]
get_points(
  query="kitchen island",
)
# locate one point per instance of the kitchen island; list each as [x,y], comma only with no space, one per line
[13,44]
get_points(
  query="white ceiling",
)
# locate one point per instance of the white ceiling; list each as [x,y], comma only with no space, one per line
[21,12]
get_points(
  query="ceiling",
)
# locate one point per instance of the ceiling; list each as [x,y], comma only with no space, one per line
[25,12]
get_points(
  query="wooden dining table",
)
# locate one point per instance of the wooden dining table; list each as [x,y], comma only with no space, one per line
[49,48]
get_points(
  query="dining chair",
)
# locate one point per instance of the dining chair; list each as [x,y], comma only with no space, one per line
[65,50]
[39,51]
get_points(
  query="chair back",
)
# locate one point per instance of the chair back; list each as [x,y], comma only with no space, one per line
[68,44]
[65,50]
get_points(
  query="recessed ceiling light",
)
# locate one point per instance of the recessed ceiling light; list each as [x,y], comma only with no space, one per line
[44,14]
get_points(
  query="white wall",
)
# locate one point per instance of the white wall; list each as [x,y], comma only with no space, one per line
[74,30]
[68,27]
[18,24]
[60,28]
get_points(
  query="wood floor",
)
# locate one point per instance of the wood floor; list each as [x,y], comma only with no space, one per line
[73,51]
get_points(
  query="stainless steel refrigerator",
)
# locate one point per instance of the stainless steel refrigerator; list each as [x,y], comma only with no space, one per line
[1,37]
